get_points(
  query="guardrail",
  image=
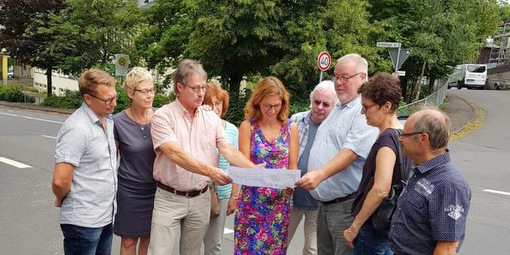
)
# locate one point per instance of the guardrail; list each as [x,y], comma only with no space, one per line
[436,99]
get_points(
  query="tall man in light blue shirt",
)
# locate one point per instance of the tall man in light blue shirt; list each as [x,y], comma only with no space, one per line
[337,156]
[84,178]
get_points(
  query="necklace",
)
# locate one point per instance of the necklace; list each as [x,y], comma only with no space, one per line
[144,133]
[138,121]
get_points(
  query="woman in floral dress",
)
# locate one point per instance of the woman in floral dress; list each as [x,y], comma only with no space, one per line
[266,136]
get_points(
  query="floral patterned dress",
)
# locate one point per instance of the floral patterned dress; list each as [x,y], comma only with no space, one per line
[262,218]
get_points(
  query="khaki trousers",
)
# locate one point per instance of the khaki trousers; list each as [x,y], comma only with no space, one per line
[177,216]
[309,228]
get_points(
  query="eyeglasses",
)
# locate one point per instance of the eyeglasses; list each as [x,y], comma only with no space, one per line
[343,79]
[271,106]
[318,103]
[365,108]
[107,101]
[197,89]
[146,91]
[413,133]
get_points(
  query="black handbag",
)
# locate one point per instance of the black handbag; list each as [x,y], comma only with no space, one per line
[381,218]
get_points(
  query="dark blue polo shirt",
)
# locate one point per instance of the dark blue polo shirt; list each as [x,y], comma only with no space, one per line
[432,208]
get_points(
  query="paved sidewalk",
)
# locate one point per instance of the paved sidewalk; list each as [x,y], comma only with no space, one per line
[459,110]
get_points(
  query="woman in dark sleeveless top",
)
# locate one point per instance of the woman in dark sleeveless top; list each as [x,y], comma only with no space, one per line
[381,96]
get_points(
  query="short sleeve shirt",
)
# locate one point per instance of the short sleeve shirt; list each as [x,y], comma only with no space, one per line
[82,142]
[433,207]
[135,149]
[200,137]
[345,127]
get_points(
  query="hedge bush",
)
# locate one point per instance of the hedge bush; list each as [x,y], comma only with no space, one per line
[235,114]
[73,100]
[14,94]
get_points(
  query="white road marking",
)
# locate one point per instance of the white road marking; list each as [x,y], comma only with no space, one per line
[13,163]
[497,192]
[30,118]
[227,231]
[51,137]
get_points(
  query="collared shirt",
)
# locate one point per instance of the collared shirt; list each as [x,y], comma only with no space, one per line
[302,119]
[83,143]
[433,207]
[345,127]
[200,137]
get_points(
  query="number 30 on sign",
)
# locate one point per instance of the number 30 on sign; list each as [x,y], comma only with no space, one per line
[324,61]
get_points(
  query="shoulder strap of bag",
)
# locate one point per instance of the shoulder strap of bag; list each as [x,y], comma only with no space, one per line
[401,160]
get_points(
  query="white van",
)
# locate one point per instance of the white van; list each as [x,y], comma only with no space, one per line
[469,76]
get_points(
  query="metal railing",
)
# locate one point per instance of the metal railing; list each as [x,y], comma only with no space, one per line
[436,99]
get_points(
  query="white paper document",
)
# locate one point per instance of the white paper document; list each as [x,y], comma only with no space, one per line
[259,177]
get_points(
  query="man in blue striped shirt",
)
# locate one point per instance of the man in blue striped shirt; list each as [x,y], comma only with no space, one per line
[431,213]
[84,178]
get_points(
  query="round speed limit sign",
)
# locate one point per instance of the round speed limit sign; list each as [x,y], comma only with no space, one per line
[323,61]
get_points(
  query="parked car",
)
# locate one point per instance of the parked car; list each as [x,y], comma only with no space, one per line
[499,84]
[10,74]
[402,118]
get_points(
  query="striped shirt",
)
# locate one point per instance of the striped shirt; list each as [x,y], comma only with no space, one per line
[82,143]
[302,120]
[233,135]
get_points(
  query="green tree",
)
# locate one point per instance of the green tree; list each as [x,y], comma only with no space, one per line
[440,33]
[236,39]
[92,32]
[19,20]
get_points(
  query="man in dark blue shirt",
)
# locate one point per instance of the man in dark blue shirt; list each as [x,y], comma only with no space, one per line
[431,213]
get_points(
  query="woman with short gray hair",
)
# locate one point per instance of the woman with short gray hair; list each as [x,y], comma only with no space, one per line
[136,187]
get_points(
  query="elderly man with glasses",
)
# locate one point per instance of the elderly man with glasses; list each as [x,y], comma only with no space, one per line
[186,139]
[432,211]
[322,101]
[338,153]
[84,178]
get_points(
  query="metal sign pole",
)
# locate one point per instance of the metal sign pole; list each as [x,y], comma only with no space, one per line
[320,80]
[398,57]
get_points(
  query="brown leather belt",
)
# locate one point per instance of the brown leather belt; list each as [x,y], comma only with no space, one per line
[191,193]
[338,200]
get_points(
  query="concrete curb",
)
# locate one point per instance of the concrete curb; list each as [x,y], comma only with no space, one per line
[36,107]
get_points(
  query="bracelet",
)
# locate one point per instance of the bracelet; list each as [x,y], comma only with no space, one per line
[234,197]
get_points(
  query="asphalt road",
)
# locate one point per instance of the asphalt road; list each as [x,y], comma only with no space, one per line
[28,219]
[29,222]
[482,158]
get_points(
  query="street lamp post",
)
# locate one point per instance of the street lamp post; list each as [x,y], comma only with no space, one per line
[4,66]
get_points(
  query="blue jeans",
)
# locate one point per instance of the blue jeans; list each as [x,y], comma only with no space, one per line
[87,241]
[369,241]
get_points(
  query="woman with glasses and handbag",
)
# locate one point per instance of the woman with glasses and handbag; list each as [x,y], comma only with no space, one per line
[381,96]
[226,195]
[266,136]
[136,187]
